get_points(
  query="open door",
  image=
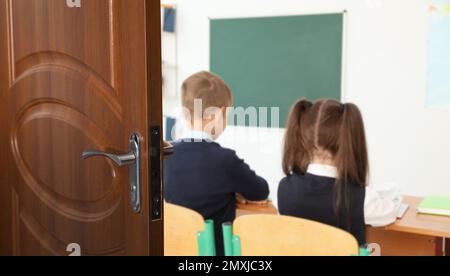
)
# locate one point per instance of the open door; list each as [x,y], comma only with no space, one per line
[80,79]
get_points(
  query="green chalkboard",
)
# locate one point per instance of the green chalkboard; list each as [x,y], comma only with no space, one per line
[273,61]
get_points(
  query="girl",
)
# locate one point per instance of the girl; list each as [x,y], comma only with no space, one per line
[326,163]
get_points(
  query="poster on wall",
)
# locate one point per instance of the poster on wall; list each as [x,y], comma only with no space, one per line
[438,92]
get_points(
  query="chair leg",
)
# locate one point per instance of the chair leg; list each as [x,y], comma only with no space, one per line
[206,240]
[232,244]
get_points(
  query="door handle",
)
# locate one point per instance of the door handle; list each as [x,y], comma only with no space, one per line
[131,159]
[120,160]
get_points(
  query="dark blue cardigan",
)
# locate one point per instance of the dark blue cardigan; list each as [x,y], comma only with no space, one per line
[311,197]
[205,177]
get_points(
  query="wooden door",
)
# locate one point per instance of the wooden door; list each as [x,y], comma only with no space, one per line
[78,75]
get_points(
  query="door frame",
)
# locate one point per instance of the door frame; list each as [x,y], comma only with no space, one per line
[154,90]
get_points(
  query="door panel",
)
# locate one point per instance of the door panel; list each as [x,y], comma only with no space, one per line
[79,78]
[86,35]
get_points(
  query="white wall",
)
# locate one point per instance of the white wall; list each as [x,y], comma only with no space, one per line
[386,77]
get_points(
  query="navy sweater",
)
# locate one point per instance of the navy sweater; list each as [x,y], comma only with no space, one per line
[311,197]
[205,177]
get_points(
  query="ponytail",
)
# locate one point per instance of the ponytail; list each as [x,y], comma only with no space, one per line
[351,159]
[296,156]
[338,129]
[352,156]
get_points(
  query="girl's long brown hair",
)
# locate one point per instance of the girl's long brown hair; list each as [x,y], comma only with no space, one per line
[328,126]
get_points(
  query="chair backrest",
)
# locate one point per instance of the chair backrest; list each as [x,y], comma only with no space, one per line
[271,235]
[181,229]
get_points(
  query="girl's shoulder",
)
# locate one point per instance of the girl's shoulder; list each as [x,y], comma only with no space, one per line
[293,179]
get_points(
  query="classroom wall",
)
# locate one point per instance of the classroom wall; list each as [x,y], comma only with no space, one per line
[386,69]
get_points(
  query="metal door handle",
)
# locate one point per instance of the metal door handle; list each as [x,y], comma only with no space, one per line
[120,160]
[131,159]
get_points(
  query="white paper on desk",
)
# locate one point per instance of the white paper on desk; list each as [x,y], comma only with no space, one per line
[390,191]
[382,204]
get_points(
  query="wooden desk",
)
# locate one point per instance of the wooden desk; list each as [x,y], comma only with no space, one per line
[253,209]
[414,235]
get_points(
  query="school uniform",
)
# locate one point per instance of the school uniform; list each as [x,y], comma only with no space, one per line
[205,177]
[311,196]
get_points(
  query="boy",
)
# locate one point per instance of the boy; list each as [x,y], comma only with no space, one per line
[201,175]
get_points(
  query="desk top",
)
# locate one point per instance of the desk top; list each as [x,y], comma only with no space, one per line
[412,222]
[415,223]
[256,209]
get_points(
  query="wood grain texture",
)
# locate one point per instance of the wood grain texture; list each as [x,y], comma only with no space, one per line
[5,201]
[155,107]
[76,79]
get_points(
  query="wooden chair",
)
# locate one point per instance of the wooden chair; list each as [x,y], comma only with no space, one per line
[186,233]
[271,235]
